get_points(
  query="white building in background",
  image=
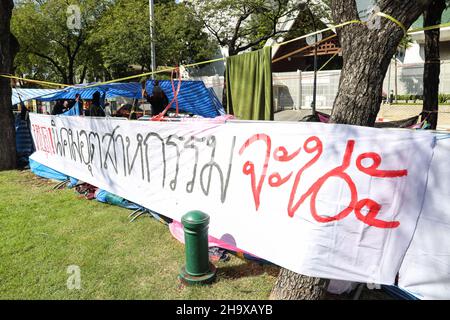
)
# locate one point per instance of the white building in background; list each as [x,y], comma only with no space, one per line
[410,64]
[292,89]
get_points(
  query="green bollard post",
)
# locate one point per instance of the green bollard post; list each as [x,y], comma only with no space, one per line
[198,269]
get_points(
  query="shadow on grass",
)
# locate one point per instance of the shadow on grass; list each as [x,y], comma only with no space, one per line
[247,269]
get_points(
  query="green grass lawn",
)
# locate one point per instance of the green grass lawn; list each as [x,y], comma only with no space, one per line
[43,231]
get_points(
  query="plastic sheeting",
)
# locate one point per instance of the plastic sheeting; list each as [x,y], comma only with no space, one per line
[107,197]
[46,172]
[129,90]
[193,97]
[19,94]
[74,111]
[24,140]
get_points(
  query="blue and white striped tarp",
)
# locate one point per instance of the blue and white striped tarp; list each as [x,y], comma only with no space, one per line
[193,97]
[19,94]
[129,90]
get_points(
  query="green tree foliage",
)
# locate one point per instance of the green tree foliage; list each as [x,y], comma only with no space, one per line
[114,35]
[244,24]
[49,48]
[124,39]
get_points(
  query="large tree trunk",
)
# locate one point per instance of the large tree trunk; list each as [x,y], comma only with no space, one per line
[367,54]
[8,49]
[71,72]
[432,69]
[294,286]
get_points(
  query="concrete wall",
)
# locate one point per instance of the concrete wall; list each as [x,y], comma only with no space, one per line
[410,71]
[410,78]
[294,90]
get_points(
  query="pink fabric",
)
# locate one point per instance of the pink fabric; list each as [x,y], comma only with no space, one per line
[176,229]
[417,126]
[219,119]
[322,118]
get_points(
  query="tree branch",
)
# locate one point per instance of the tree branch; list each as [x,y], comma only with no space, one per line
[80,41]
[53,62]
[237,27]
[215,34]
[256,42]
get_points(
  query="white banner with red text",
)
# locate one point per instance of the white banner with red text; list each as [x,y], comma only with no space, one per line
[332,201]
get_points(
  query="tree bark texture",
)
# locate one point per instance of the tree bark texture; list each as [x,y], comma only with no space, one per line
[367,53]
[294,286]
[8,49]
[432,68]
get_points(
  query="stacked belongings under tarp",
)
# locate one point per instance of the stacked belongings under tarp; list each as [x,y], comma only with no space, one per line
[24,140]
[219,250]
[186,98]
[409,123]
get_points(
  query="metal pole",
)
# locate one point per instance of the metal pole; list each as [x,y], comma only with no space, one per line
[299,97]
[389,83]
[152,33]
[315,79]
[313,105]
[395,79]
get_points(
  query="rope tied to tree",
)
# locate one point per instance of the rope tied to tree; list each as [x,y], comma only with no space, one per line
[331,28]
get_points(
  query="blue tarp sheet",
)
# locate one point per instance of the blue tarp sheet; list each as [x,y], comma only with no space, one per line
[74,111]
[101,195]
[24,140]
[46,172]
[193,97]
[107,197]
[128,90]
[20,94]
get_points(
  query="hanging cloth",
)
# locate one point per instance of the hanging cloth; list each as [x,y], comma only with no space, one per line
[249,85]
[74,111]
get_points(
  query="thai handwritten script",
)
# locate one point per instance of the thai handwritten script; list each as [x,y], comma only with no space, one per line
[314,146]
[127,155]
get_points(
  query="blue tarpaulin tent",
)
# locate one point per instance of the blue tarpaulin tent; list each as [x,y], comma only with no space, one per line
[193,97]
[128,90]
[20,94]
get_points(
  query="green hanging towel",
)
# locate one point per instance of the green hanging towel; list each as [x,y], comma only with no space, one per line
[249,85]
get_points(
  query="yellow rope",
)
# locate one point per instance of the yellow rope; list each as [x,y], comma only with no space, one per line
[153,72]
[130,77]
[382,14]
[35,81]
[317,32]
[301,49]
[326,63]
[385,15]
[438,26]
